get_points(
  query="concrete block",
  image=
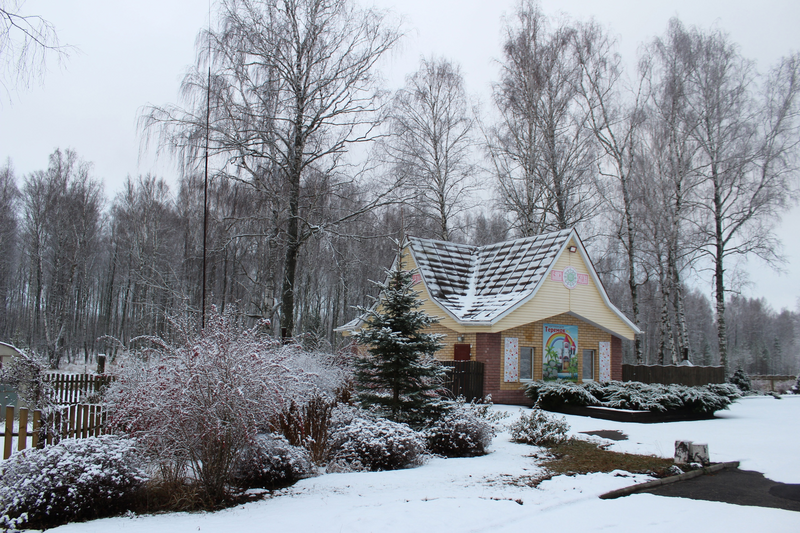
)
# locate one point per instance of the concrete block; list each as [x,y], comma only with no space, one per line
[682,453]
[699,453]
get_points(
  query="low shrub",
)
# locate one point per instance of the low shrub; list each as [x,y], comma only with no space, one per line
[705,400]
[539,428]
[641,396]
[359,441]
[553,394]
[77,479]
[272,462]
[483,409]
[306,425]
[461,431]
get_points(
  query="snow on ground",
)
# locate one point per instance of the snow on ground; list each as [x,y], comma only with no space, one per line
[489,494]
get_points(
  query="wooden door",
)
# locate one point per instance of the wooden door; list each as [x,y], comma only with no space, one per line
[461,352]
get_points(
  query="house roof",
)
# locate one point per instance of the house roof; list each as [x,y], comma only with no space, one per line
[478,284]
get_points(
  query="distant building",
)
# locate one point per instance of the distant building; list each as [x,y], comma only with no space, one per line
[7,353]
[528,309]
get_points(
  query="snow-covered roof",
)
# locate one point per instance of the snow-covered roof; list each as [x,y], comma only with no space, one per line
[478,284]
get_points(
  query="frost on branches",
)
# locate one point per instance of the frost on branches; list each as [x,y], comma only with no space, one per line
[199,405]
[399,375]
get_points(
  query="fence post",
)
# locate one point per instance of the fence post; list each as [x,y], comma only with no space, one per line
[37,429]
[85,431]
[22,439]
[9,436]
[71,427]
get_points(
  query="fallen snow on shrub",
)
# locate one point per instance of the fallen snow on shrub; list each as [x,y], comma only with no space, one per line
[634,395]
[461,431]
[272,462]
[76,479]
[539,428]
[359,441]
[550,394]
[196,405]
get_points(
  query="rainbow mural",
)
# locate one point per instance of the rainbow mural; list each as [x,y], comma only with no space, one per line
[560,351]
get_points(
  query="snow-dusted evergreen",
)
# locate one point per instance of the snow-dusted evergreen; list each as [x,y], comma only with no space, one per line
[398,376]
[634,395]
[741,380]
[25,373]
[77,479]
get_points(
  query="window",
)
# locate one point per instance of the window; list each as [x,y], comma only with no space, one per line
[525,363]
[588,365]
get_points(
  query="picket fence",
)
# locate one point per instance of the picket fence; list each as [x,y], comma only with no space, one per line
[68,389]
[76,421]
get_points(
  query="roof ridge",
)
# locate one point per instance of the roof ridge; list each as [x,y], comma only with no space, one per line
[554,234]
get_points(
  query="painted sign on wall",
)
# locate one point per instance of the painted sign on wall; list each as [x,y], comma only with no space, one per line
[511,367]
[560,359]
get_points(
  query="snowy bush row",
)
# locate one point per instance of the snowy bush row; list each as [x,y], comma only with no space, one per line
[74,480]
[634,395]
[361,441]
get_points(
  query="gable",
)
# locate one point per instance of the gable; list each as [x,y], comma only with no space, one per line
[586,301]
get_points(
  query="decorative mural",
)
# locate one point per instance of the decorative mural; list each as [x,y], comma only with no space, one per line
[560,359]
[605,361]
[511,366]
[570,277]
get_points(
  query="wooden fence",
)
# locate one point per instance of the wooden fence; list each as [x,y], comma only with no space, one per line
[73,421]
[691,376]
[68,389]
[773,383]
[464,378]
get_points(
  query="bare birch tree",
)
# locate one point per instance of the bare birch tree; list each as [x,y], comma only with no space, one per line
[293,88]
[543,151]
[25,43]
[9,231]
[615,118]
[431,145]
[748,140]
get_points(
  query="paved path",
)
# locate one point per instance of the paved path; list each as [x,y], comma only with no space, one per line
[740,487]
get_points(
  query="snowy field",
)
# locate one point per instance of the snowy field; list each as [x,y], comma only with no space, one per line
[489,494]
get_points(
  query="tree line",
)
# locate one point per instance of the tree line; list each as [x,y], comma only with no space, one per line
[681,166]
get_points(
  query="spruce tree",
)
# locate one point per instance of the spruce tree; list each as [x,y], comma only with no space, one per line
[399,375]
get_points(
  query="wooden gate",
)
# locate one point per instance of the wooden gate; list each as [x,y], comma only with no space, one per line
[464,378]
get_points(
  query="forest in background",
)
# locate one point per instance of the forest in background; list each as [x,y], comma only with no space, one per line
[680,167]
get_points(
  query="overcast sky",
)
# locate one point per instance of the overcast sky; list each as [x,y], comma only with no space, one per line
[131,54]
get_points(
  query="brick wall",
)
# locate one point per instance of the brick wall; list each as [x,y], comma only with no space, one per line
[451,338]
[490,348]
[616,358]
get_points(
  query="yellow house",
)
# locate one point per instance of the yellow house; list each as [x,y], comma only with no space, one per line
[528,309]
[7,353]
